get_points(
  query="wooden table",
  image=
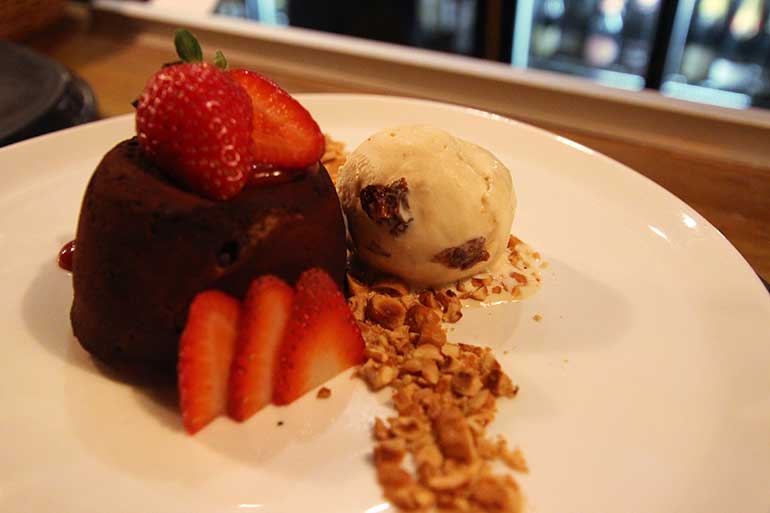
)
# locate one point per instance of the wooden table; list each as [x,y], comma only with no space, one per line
[734,197]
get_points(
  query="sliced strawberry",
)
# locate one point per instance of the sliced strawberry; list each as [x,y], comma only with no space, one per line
[284,133]
[266,311]
[322,338]
[205,356]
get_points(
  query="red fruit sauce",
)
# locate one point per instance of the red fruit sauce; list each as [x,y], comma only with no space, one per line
[265,175]
[65,256]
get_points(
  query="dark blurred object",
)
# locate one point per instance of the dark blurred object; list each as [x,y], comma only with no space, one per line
[20,17]
[455,26]
[38,95]
[720,53]
[609,41]
[382,20]
[711,51]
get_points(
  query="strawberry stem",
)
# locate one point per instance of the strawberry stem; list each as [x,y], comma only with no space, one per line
[187,47]
[220,60]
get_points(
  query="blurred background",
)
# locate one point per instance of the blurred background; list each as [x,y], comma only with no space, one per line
[709,51]
[712,51]
[676,89]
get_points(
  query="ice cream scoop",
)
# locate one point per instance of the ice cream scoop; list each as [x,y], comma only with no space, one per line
[426,206]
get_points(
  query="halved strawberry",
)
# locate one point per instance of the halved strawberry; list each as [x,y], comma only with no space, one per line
[284,133]
[266,310]
[205,357]
[194,121]
[322,338]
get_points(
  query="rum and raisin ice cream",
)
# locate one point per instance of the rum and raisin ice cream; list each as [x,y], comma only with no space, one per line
[426,206]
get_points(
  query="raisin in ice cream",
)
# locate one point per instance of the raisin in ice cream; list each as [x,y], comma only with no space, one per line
[426,206]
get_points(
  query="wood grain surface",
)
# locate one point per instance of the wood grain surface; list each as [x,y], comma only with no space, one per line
[733,197]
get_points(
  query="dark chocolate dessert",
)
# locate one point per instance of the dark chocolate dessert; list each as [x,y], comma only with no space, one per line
[145,247]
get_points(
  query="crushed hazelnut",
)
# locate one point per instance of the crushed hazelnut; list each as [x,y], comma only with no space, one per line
[390,451]
[496,494]
[375,353]
[513,241]
[393,475]
[355,287]
[454,436]
[467,383]
[407,427]
[452,350]
[450,481]
[427,324]
[429,371]
[429,352]
[377,375]
[429,455]
[428,298]
[500,384]
[386,311]
[391,287]
[380,430]
[480,294]
[451,305]
[419,316]
[357,306]
[514,459]
[479,400]
[480,280]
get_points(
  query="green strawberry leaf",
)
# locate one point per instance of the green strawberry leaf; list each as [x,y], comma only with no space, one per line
[220,60]
[187,46]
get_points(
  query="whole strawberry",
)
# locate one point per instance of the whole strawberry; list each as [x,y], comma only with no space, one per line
[195,122]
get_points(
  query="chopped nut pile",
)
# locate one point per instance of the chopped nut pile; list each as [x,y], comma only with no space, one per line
[434,455]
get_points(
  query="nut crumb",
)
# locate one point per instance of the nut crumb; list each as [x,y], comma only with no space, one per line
[323,393]
[386,311]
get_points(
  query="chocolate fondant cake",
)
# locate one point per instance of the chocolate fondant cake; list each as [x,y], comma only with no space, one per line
[145,247]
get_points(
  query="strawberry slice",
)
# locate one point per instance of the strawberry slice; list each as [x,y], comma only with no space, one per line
[266,310]
[284,133]
[322,338]
[205,356]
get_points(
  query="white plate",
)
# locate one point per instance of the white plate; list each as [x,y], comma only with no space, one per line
[646,386]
